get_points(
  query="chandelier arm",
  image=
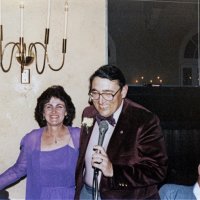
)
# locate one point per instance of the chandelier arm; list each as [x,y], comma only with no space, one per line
[11,56]
[63,60]
[33,45]
[64,47]
[22,52]
[39,43]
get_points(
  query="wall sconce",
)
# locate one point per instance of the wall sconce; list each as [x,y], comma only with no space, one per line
[25,55]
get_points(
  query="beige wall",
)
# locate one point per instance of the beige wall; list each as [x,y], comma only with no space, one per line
[86,50]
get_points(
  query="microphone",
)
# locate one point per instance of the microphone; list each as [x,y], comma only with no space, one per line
[103,127]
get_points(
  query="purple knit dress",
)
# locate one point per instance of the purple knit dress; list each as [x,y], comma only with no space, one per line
[58,181]
[50,174]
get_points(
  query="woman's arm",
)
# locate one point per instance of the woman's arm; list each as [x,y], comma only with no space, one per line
[17,171]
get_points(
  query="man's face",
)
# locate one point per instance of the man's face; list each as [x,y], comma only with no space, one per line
[102,85]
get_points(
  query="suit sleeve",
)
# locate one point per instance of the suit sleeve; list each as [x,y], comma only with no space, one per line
[17,171]
[144,159]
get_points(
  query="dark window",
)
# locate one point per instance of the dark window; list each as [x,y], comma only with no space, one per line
[154,39]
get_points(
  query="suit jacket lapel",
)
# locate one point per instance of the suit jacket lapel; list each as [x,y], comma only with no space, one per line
[119,132]
[87,131]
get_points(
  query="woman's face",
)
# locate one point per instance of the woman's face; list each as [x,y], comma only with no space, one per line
[54,112]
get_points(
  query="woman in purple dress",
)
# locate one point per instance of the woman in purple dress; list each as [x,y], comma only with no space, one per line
[48,155]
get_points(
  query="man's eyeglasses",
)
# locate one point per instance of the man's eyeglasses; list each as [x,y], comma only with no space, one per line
[108,96]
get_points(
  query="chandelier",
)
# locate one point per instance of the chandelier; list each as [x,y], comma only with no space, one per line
[26,54]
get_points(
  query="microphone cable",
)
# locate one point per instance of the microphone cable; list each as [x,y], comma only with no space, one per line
[95,184]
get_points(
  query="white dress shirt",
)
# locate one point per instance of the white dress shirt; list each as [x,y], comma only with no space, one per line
[94,141]
[196,191]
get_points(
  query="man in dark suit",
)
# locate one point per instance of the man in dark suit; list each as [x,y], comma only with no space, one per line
[132,160]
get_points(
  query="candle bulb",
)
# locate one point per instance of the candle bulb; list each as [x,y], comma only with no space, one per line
[21,18]
[66,20]
[48,13]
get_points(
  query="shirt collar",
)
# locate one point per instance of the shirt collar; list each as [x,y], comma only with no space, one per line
[118,112]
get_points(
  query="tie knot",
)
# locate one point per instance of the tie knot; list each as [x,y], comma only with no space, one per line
[110,119]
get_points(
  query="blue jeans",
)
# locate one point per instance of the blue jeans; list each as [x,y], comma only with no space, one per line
[86,193]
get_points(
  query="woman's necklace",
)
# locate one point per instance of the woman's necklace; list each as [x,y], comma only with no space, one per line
[57,138]
[57,141]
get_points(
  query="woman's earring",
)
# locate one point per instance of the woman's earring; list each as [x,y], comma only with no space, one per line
[44,118]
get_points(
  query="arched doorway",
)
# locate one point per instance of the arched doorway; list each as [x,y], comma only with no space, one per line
[189,72]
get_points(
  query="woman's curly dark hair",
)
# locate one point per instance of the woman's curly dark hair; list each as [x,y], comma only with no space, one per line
[58,92]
